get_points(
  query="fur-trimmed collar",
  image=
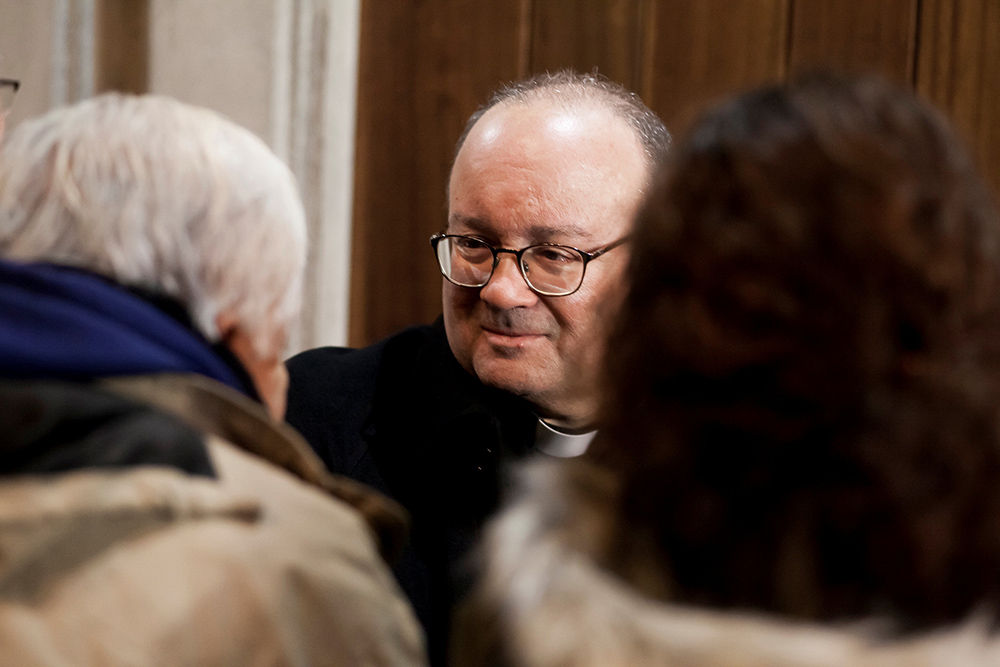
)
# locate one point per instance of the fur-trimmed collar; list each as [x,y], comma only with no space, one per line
[543,601]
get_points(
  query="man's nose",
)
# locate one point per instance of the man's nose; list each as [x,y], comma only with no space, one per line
[507,288]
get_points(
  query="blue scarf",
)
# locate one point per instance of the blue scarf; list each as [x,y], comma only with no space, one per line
[63,323]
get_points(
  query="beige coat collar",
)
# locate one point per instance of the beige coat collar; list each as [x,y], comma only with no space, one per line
[218,410]
[544,601]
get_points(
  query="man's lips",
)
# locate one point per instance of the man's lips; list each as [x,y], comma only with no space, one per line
[507,336]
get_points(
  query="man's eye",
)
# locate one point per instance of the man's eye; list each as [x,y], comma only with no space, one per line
[555,255]
[468,244]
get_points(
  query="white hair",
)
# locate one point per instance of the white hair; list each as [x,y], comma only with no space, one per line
[157,194]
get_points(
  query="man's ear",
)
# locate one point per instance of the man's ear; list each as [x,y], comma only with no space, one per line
[228,326]
[267,371]
[233,335]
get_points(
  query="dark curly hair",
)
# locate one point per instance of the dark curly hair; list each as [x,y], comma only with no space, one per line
[803,406]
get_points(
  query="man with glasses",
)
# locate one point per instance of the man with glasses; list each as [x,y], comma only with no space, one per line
[541,196]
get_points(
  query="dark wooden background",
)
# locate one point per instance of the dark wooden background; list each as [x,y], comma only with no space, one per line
[425,65]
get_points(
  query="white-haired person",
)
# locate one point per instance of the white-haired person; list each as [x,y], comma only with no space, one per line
[154,509]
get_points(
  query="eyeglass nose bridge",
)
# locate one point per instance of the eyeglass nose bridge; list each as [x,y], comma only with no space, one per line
[518,262]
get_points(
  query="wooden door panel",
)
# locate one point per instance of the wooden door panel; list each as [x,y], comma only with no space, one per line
[701,51]
[584,35]
[855,36]
[425,65]
[958,69]
[424,68]
[122,46]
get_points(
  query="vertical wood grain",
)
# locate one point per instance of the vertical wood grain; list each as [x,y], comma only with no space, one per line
[122,46]
[958,69]
[424,68]
[854,36]
[585,35]
[697,52]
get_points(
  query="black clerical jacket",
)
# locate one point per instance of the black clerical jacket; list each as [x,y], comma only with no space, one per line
[405,418]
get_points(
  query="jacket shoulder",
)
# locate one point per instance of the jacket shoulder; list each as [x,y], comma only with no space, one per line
[332,390]
[348,603]
[332,370]
[257,556]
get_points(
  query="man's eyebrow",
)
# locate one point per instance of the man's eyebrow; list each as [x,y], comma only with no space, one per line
[538,232]
[476,225]
[571,230]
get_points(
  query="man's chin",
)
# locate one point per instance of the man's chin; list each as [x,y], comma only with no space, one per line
[515,374]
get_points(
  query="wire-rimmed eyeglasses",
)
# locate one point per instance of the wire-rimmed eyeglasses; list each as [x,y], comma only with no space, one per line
[549,269]
[8,88]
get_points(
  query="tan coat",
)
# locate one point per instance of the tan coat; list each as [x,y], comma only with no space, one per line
[545,602]
[151,566]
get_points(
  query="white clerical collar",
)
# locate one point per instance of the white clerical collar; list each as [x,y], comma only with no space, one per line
[562,445]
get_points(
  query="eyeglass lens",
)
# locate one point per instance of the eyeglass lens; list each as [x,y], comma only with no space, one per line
[552,270]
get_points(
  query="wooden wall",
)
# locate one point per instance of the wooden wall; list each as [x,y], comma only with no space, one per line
[122,44]
[425,65]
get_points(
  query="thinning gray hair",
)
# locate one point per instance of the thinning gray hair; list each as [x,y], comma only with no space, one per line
[157,194]
[572,87]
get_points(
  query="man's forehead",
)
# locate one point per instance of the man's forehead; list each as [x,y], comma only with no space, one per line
[558,119]
[546,171]
[553,145]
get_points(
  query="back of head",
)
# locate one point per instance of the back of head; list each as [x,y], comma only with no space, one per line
[804,383]
[156,194]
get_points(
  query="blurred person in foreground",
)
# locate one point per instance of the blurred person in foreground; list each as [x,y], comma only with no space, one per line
[545,182]
[153,507]
[800,463]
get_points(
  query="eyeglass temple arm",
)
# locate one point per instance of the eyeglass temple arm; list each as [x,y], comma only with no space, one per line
[611,246]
